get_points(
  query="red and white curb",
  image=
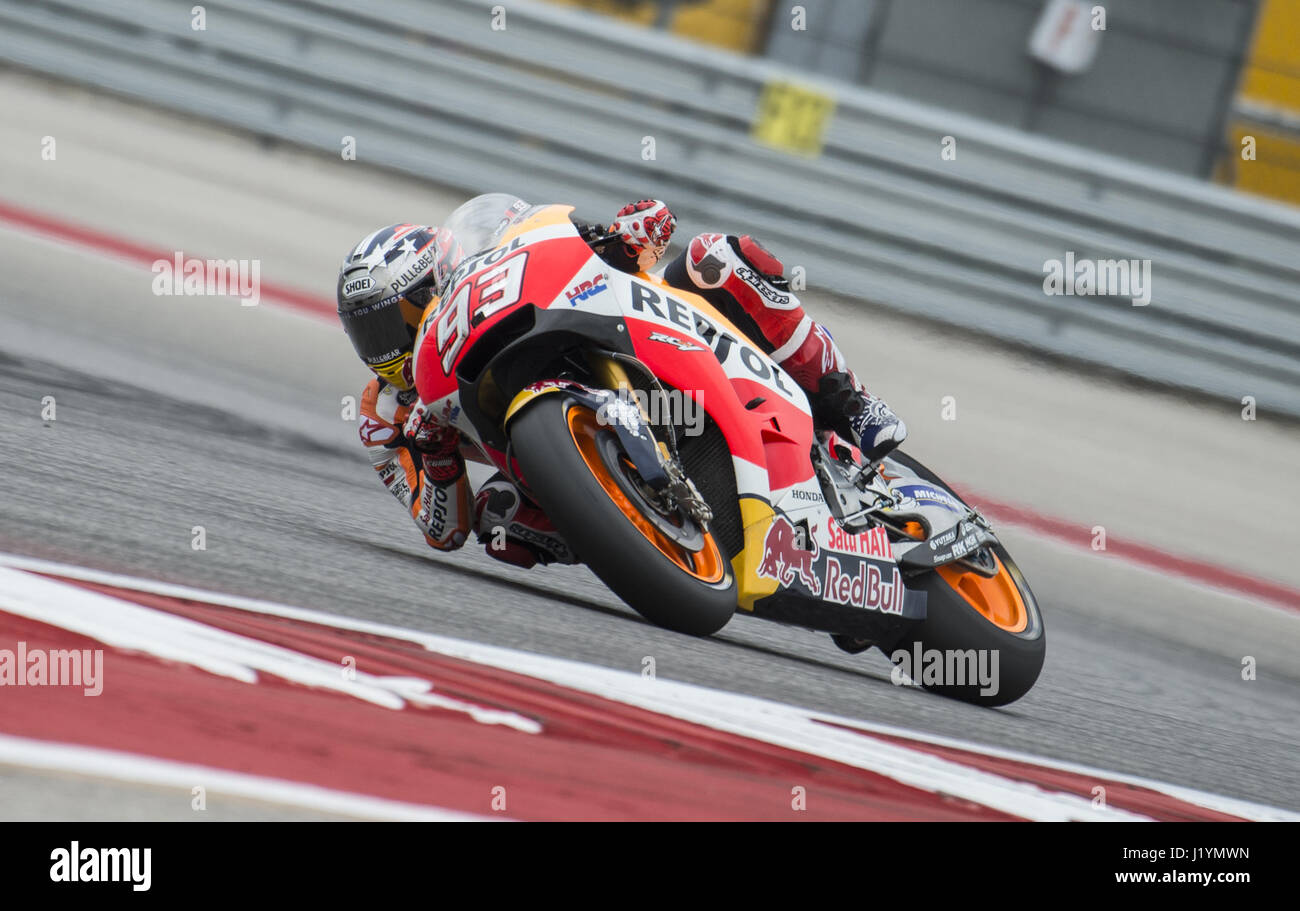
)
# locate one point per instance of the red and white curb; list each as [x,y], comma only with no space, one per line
[309,709]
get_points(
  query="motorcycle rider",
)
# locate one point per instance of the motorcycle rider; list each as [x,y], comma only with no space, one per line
[391,275]
[384,285]
[740,277]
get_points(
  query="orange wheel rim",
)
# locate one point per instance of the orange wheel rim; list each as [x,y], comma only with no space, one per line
[996,598]
[706,565]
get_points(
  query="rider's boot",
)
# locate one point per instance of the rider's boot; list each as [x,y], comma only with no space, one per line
[514,529]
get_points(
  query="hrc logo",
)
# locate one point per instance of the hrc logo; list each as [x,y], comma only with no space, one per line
[585,290]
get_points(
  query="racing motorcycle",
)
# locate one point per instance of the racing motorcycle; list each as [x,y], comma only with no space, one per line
[551,363]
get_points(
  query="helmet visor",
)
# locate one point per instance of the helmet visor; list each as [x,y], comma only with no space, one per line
[379,332]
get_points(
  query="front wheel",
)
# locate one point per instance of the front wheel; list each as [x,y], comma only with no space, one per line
[982,640]
[669,572]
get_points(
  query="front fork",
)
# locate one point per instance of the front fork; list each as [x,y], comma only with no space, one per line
[681,489]
[611,375]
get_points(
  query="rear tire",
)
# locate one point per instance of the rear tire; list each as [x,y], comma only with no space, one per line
[603,533]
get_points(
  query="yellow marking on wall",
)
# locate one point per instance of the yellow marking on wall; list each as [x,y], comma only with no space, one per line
[643,13]
[1272,71]
[1271,79]
[793,118]
[738,25]
[1275,171]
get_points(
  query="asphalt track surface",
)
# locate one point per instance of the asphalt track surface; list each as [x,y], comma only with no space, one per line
[175,412]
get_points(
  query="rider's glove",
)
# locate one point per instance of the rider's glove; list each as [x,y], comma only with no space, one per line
[645,227]
[427,434]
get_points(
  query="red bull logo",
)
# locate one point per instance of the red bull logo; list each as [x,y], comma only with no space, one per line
[784,556]
[869,588]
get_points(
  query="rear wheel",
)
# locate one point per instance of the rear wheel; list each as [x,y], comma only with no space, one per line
[658,561]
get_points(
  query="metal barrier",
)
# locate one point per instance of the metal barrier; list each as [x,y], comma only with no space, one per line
[558,105]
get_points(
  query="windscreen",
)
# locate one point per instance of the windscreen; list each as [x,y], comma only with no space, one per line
[477,224]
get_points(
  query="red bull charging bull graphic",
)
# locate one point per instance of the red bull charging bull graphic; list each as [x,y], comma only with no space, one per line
[837,573]
[785,556]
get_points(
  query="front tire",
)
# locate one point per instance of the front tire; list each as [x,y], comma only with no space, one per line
[570,463]
[966,611]
[997,617]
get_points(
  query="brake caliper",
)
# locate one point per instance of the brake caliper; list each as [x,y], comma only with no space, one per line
[687,495]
